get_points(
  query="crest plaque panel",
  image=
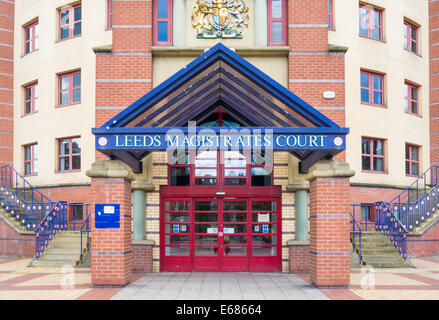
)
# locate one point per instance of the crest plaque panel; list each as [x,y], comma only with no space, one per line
[219,18]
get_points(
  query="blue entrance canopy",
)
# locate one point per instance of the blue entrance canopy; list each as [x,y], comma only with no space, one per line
[270,114]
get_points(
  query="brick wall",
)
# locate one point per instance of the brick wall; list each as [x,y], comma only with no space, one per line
[280,174]
[125,74]
[434,81]
[424,245]
[312,70]
[372,194]
[14,244]
[299,259]
[6,81]
[142,258]
[159,177]
[74,194]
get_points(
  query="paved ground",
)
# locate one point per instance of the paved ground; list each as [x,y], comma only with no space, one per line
[18,282]
[220,286]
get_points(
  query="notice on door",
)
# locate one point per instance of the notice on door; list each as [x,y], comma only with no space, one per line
[212,230]
[229,230]
[263,217]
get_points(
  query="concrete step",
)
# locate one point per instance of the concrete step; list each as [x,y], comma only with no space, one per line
[392,256]
[380,264]
[54,263]
[375,245]
[374,235]
[55,250]
[64,244]
[55,257]
[69,234]
[69,239]
[383,250]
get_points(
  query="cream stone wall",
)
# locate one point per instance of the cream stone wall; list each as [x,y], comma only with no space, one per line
[389,57]
[54,57]
[274,66]
[288,227]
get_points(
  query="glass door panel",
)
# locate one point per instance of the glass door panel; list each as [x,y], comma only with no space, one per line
[235,168]
[176,234]
[235,233]
[206,171]
[265,240]
[206,228]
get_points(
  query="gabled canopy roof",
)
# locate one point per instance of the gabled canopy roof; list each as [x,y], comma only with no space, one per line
[219,76]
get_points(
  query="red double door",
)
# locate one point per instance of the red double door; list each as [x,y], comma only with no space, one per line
[220,234]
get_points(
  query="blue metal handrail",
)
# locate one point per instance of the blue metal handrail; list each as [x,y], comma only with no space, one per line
[386,221]
[28,214]
[85,228]
[9,177]
[428,178]
[360,233]
[46,230]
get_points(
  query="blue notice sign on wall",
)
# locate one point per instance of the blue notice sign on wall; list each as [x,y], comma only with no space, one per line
[107,216]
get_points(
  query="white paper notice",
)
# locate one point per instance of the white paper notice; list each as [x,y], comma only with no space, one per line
[212,230]
[263,217]
[229,230]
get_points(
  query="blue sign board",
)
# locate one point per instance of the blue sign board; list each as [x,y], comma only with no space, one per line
[265,228]
[107,216]
[155,138]
[176,228]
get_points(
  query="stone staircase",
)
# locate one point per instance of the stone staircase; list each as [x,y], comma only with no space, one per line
[379,252]
[63,250]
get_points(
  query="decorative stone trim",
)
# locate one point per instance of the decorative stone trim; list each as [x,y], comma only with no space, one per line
[106,48]
[331,169]
[110,169]
[297,243]
[337,48]
[142,185]
[297,185]
[143,243]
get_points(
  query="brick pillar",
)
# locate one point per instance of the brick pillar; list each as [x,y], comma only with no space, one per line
[330,223]
[111,249]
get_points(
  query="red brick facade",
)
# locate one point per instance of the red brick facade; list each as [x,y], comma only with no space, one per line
[312,69]
[142,258]
[129,65]
[6,81]
[424,245]
[299,258]
[14,244]
[73,194]
[434,81]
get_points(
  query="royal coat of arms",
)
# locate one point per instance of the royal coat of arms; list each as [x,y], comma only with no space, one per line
[219,18]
